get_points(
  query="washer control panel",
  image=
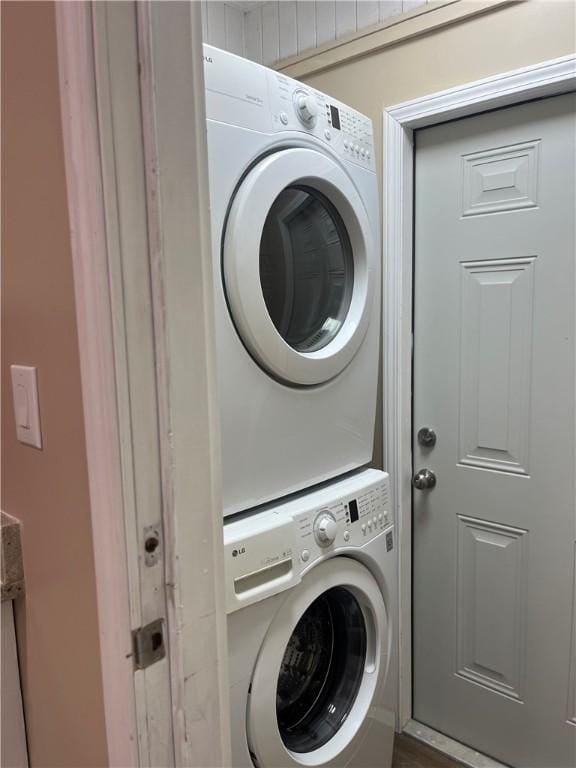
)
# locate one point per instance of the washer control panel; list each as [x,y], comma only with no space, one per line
[350,520]
[268,550]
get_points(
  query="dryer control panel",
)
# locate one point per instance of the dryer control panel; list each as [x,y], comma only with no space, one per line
[249,95]
[295,106]
[268,550]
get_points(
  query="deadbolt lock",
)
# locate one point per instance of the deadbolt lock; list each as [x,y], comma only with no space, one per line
[427,437]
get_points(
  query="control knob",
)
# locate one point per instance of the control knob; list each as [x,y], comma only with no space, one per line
[325,529]
[306,107]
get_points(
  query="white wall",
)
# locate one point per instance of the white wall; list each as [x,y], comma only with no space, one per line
[273,30]
[223,25]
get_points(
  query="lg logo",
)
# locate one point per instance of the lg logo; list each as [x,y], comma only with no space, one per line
[236,552]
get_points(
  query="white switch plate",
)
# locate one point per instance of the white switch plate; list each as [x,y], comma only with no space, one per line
[26,410]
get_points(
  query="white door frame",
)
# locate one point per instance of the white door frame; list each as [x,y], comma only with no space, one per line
[548,78]
[132,96]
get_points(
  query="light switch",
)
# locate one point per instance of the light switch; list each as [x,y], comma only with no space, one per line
[26,410]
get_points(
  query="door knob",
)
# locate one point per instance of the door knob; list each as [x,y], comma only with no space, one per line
[424,480]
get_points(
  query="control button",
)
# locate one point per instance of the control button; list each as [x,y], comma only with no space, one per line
[306,107]
[305,555]
[375,521]
[363,528]
[327,134]
[346,535]
[325,529]
[345,144]
[356,148]
[369,525]
[362,152]
[385,517]
[284,118]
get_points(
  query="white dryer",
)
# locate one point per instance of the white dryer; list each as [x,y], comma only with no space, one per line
[311,600]
[296,247]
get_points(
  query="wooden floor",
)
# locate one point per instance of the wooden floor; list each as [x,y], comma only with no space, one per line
[410,753]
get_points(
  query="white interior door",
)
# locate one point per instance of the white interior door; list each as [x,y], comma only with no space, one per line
[494,344]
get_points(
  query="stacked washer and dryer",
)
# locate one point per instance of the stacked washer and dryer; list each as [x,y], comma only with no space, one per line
[309,538]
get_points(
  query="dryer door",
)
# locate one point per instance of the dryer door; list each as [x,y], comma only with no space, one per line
[322,663]
[297,255]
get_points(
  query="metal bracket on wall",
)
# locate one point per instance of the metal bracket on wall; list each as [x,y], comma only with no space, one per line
[148,643]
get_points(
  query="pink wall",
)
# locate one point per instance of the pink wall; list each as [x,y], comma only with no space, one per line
[47,489]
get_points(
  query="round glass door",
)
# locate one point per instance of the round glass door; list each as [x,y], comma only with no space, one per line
[306,268]
[321,671]
[318,669]
[298,253]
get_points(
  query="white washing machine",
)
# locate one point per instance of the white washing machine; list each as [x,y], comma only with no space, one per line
[311,600]
[295,234]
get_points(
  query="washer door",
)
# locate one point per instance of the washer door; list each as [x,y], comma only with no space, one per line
[318,669]
[297,256]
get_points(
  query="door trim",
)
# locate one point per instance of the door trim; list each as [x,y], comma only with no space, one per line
[549,78]
[134,127]
[96,347]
